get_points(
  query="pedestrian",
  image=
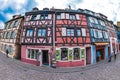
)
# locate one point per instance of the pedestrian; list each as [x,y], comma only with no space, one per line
[114,50]
[7,52]
[110,57]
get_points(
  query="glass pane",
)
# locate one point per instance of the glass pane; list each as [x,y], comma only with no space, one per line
[32,54]
[28,53]
[43,32]
[29,33]
[57,54]
[76,53]
[58,16]
[64,54]
[78,33]
[39,32]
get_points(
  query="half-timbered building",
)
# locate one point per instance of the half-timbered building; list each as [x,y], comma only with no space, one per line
[65,37]
[37,37]
[113,49]
[118,33]
[57,34]
[10,37]
[72,38]
[99,36]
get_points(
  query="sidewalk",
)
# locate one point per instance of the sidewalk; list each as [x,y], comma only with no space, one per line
[26,66]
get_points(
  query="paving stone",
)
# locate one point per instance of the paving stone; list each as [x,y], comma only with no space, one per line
[11,69]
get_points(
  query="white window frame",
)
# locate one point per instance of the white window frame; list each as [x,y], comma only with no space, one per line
[83,31]
[62,15]
[49,16]
[31,53]
[77,16]
[63,31]
[67,16]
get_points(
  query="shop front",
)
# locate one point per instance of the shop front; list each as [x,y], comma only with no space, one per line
[70,56]
[37,55]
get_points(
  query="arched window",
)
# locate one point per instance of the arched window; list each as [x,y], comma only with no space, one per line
[7,35]
[12,34]
[10,49]
[64,53]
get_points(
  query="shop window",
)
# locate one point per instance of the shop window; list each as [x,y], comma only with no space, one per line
[41,32]
[29,33]
[70,32]
[10,49]
[76,53]
[64,53]
[32,53]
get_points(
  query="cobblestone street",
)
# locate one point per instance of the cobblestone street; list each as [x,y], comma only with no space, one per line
[11,69]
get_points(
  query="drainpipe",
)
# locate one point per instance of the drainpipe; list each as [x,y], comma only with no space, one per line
[53,55]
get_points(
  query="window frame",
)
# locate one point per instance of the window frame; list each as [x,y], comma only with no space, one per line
[29,32]
[42,32]
[70,31]
[11,36]
[34,52]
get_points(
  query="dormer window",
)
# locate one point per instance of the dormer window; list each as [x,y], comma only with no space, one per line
[45,16]
[72,17]
[33,17]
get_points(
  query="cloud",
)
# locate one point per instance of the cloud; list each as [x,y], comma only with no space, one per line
[61,4]
[10,8]
[1,25]
[109,8]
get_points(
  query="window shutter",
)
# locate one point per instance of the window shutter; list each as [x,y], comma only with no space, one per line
[70,53]
[58,57]
[67,16]
[94,33]
[63,31]
[83,32]
[38,17]
[49,16]
[77,16]
[62,15]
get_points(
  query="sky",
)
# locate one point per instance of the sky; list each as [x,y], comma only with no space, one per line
[8,8]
